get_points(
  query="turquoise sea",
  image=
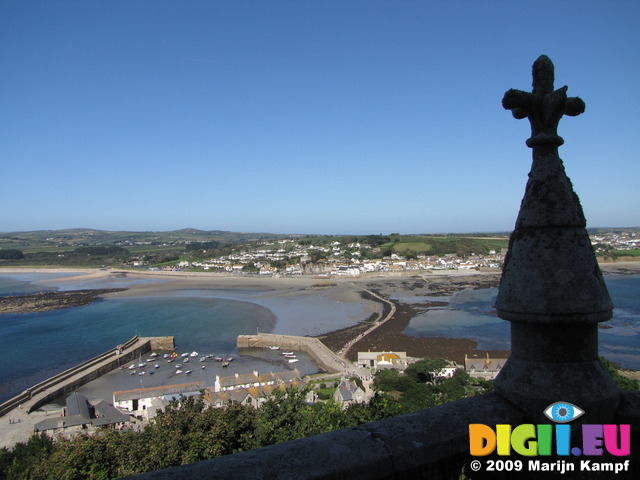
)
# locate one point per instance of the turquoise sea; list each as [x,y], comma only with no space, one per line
[36,346]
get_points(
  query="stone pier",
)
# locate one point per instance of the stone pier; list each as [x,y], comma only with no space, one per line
[66,382]
[324,357]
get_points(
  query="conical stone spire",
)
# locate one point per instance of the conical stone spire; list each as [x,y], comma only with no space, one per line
[551,273]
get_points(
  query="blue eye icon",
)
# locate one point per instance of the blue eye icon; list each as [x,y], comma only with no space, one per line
[563,412]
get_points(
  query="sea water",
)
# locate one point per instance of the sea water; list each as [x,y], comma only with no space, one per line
[36,346]
[471,314]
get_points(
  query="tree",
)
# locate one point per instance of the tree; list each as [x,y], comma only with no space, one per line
[425,370]
[11,254]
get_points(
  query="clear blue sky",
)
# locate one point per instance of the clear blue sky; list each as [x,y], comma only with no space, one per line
[306,116]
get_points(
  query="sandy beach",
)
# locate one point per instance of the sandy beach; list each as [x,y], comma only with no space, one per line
[410,287]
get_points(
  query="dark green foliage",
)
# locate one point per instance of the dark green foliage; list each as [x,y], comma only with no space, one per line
[185,432]
[20,462]
[11,254]
[621,381]
[101,250]
[418,388]
[211,245]
[425,370]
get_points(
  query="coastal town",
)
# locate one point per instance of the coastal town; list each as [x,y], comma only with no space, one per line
[292,257]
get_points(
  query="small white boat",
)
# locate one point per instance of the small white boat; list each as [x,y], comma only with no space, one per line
[293,360]
[132,366]
[274,347]
[185,359]
[194,354]
[188,372]
[153,355]
[225,364]
[290,356]
[203,366]
[178,365]
[156,366]
[184,355]
[166,355]
[203,359]
[141,373]
[287,353]
[170,360]
[178,372]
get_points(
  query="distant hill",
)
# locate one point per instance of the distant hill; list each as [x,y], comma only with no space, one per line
[89,236]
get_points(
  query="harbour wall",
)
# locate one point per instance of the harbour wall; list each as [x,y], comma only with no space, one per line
[66,382]
[325,358]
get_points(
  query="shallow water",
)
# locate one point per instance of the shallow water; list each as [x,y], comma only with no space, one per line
[39,345]
[470,314]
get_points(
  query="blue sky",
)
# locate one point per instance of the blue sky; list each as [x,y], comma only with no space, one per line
[343,117]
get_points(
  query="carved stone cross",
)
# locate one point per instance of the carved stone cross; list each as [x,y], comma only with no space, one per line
[544,107]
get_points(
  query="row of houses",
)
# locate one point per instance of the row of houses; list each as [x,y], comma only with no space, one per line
[476,366]
[245,389]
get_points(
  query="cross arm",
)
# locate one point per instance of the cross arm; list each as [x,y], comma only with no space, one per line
[518,102]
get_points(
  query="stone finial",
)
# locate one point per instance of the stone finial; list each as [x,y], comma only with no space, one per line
[552,290]
[550,273]
[544,107]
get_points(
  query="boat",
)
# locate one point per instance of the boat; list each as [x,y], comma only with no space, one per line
[274,347]
[188,372]
[178,365]
[166,355]
[153,355]
[293,360]
[194,354]
[287,353]
[229,359]
[151,372]
[225,364]
[218,359]
[178,372]
[290,356]
[184,355]
[203,359]
[203,366]
[170,360]
[132,366]
[185,359]
[141,373]
[156,366]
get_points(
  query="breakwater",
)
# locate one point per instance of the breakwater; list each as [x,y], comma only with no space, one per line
[325,358]
[66,382]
